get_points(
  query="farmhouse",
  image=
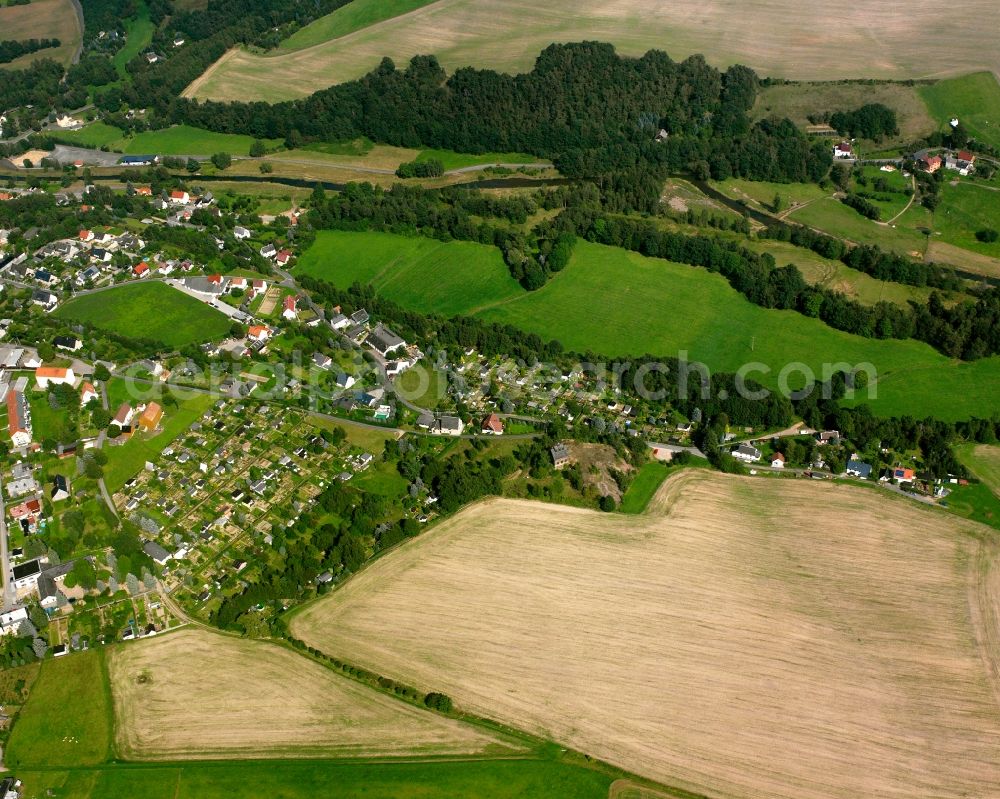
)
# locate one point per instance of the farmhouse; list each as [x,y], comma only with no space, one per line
[560,456]
[150,418]
[492,425]
[46,376]
[18,419]
[747,453]
[384,341]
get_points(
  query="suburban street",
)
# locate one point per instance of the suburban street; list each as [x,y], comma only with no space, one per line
[8,581]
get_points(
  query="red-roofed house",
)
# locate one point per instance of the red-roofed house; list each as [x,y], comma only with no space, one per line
[141,270]
[843,150]
[289,309]
[258,287]
[778,461]
[237,283]
[932,163]
[18,419]
[178,197]
[492,425]
[283,257]
[144,191]
[31,510]
[46,376]
[86,235]
[87,393]
[966,156]
[259,332]
[903,475]
[215,280]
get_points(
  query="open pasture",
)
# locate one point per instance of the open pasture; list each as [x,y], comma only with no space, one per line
[974,99]
[198,695]
[782,38]
[42,19]
[983,460]
[741,638]
[153,311]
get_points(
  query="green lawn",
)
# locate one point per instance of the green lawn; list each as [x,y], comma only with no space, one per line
[187,140]
[138,34]
[152,311]
[128,459]
[421,273]
[965,209]
[974,99]
[96,134]
[348,18]
[618,303]
[976,502]
[648,479]
[513,779]
[68,719]
[763,193]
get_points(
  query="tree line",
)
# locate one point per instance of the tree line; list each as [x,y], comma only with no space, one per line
[14,48]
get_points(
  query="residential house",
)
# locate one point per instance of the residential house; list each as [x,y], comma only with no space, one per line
[747,453]
[26,574]
[46,299]
[60,488]
[141,269]
[268,251]
[344,380]
[70,343]
[856,468]
[87,393]
[930,163]
[46,376]
[560,456]
[257,287]
[123,418]
[289,310]
[179,197]
[828,437]
[258,332]
[339,322]
[86,235]
[384,341]
[321,360]
[492,425]
[778,461]
[240,233]
[282,257]
[360,317]
[843,150]
[18,419]
[900,475]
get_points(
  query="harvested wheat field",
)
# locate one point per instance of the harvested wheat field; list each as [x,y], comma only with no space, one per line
[197,694]
[743,638]
[809,40]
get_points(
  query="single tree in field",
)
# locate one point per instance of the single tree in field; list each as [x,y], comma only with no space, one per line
[222,161]
[257,149]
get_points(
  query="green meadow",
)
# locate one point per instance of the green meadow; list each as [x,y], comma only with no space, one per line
[186,140]
[138,34]
[475,779]
[348,18]
[68,719]
[617,303]
[645,483]
[452,160]
[151,310]
[974,99]
[965,209]
[426,275]
[983,460]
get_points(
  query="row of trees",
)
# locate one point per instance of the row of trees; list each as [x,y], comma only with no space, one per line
[869,259]
[14,48]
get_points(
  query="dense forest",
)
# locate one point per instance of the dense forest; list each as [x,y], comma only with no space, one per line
[595,113]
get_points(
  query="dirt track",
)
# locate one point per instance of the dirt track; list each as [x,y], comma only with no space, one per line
[197,694]
[743,639]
